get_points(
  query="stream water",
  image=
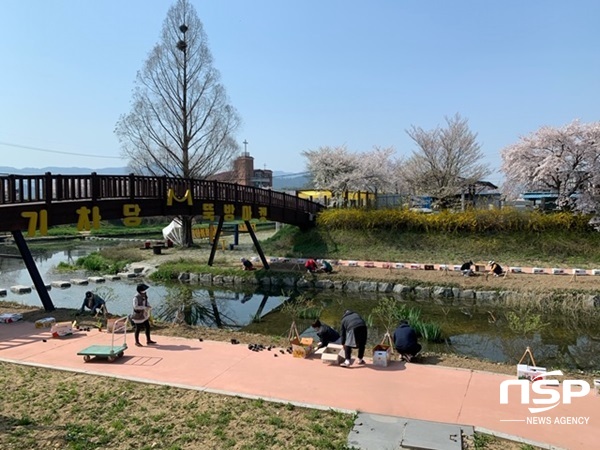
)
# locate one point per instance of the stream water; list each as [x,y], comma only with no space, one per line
[467,330]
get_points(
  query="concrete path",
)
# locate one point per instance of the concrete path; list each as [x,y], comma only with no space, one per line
[421,392]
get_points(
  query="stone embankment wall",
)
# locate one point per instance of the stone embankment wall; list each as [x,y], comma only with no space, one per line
[439,293]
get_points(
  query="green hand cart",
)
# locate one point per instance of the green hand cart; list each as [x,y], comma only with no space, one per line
[110,352]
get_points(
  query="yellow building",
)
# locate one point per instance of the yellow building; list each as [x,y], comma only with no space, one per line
[357,199]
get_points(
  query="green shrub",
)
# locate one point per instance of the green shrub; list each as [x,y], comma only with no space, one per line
[95,262]
[470,221]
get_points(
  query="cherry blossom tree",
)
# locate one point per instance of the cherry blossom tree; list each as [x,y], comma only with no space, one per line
[338,170]
[565,161]
[446,161]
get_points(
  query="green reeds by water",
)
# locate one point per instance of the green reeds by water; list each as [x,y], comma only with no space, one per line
[390,312]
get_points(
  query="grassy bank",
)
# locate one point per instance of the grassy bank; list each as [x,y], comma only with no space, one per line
[51,409]
[517,248]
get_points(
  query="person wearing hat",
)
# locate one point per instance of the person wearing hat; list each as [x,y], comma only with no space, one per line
[141,314]
[93,302]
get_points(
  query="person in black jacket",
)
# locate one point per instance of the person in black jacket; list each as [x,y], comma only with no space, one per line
[467,269]
[93,302]
[326,333]
[496,268]
[405,341]
[354,335]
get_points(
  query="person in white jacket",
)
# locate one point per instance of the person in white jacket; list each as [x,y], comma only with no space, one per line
[141,314]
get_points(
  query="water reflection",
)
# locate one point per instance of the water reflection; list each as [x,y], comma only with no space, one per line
[185,305]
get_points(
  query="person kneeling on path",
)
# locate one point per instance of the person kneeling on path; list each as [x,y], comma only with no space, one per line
[326,334]
[93,302]
[311,266]
[247,264]
[354,335]
[467,269]
[405,341]
[326,266]
[141,314]
[496,268]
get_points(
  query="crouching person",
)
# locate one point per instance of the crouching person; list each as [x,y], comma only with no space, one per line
[326,334]
[405,341]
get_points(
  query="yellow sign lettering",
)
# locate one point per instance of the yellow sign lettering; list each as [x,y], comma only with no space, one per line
[131,211]
[186,198]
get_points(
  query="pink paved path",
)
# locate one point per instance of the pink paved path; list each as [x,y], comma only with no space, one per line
[412,391]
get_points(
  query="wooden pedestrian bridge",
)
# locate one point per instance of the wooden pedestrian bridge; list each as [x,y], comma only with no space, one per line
[36,202]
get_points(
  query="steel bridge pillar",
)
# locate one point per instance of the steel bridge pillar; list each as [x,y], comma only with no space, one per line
[33,271]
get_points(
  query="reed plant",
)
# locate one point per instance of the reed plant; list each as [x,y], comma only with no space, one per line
[389,312]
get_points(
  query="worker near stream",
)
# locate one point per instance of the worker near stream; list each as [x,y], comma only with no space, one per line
[405,341]
[354,335]
[326,334]
[325,266]
[467,269]
[93,302]
[496,268]
[141,314]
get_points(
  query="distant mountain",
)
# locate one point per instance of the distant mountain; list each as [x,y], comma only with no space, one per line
[63,170]
[283,181]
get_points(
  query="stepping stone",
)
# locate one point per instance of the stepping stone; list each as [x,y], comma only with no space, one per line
[61,284]
[20,289]
[96,279]
[3,292]
[128,275]
[112,277]
[79,281]
[138,269]
[46,285]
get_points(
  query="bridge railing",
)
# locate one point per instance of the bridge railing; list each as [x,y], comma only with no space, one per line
[48,188]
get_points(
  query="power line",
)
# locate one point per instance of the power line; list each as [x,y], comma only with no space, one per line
[291,175]
[46,150]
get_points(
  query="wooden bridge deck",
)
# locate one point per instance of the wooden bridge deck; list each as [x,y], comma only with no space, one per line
[35,202]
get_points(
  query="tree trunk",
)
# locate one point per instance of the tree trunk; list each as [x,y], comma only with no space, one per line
[186,229]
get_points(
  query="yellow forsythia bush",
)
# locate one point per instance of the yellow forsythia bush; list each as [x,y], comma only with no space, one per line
[474,220]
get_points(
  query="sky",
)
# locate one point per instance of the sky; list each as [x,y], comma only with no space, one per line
[302,74]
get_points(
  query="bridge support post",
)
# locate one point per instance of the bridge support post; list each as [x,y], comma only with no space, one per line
[257,245]
[33,271]
[215,243]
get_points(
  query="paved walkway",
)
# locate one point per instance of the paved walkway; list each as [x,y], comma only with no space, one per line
[431,393]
